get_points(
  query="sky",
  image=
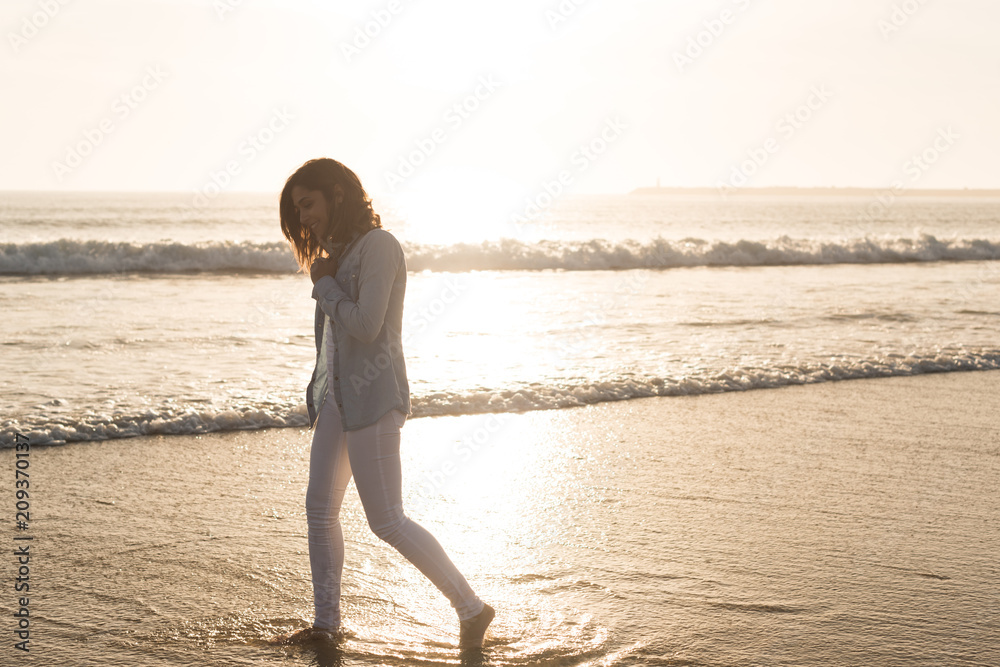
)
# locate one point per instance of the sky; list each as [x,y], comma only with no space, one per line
[426,98]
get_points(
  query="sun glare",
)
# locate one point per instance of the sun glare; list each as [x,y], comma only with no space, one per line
[449,206]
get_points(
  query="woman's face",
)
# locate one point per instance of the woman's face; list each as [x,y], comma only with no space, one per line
[313,210]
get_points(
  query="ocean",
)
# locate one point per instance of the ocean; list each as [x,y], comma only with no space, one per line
[132,314]
[650,430]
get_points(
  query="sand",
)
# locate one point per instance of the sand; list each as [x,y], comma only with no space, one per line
[836,524]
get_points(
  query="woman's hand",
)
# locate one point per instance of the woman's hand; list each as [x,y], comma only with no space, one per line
[323,266]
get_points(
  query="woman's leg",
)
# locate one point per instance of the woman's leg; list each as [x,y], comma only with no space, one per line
[374,453]
[329,473]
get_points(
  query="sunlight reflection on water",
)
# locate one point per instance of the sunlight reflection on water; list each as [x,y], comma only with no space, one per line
[833,524]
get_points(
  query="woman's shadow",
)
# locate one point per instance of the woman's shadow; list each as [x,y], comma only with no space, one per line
[329,655]
[473,657]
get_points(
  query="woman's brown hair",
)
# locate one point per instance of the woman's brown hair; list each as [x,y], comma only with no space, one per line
[354,214]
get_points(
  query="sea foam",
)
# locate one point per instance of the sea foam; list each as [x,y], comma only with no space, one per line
[185,421]
[70,257]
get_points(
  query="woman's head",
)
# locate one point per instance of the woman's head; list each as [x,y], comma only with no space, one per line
[322,200]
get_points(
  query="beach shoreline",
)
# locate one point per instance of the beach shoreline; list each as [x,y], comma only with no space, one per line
[167,549]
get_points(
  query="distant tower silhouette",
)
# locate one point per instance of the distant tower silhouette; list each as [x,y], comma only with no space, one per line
[657,181]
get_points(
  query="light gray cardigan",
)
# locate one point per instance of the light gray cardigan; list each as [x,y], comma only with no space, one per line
[365,304]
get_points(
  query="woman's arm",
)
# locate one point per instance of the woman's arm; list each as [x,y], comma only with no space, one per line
[380,259]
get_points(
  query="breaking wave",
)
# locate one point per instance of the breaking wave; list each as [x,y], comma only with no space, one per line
[194,420]
[69,257]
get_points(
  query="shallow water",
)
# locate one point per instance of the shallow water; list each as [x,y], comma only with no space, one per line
[100,357]
[833,524]
[839,523]
[134,314]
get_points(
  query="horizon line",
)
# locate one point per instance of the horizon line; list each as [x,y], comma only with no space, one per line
[653,189]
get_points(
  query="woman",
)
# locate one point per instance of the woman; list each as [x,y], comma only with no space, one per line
[358,397]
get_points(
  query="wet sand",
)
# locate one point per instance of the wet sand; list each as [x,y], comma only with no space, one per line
[842,523]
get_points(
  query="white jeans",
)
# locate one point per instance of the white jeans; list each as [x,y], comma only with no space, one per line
[372,453]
